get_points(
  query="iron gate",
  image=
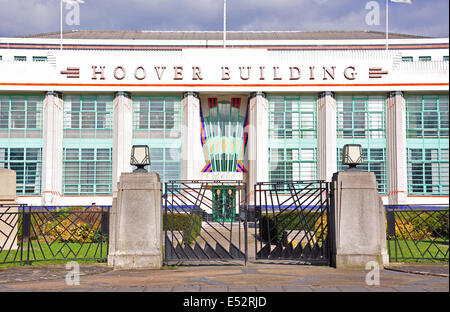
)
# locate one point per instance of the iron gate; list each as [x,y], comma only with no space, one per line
[205,221]
[291,221]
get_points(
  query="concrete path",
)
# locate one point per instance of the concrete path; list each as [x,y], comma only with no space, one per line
[251,278]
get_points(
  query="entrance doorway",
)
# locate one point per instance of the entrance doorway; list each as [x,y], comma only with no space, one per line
[224,203]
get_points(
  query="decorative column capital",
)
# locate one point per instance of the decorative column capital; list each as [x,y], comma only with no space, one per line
[53,93]
[124,93]
[325,93]
[395,93]
[259,93]
[190,93]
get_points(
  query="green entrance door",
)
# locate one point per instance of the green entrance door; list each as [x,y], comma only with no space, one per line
[224,203]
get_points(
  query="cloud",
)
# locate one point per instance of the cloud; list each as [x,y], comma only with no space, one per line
[22,17]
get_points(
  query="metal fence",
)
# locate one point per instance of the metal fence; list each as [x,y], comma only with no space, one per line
[205,222]
[52,233]
[291,221]
[417,233]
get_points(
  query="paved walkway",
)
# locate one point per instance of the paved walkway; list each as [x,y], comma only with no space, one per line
[251,278]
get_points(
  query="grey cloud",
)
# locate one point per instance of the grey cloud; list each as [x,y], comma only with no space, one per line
[21,17]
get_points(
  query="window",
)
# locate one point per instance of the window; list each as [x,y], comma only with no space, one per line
[407,59]
[292,138]
[292,164]
[21,116]
[0,57]
[292,117]
[26,162]
[444,58]
[361,120]
[427,144]
[427,116]
[87,171]
[167,162]
[374,161]
[88,116]
[360,116]
[20,58]
[156,116]
[87,145]
[424,58]
[157,123]
[428,171]
[39,58]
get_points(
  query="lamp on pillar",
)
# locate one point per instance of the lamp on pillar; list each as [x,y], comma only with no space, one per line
[352,155]
[140,157]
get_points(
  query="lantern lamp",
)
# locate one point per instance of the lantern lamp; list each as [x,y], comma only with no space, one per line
[352,155]
[140,157]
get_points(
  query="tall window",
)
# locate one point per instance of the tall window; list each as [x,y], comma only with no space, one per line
[292,138]
[21,116]
[87,144]
[157,123]
[427,144]
[361,120]
[88,116]
[374,161]
[21,140]
[27,163]
[87,171]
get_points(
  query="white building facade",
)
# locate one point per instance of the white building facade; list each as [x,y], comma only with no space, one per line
[257,110]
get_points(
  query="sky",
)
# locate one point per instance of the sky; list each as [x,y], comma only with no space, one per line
[423,17]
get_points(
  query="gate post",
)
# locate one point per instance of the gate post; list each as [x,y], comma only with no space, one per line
[8,214]
[357,225]
[136,224]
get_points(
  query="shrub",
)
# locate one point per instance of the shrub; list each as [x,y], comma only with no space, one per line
[277,225]
[419,225]
[67,231]
[189,224]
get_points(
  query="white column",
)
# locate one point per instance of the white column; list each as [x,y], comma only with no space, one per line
[52,152]
[396,148]
[326,136]
[258,142]
[122,136]
[191,148]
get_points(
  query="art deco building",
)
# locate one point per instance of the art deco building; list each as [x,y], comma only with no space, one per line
[269,106]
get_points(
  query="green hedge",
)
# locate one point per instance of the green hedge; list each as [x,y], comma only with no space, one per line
[189,224]
[286,221]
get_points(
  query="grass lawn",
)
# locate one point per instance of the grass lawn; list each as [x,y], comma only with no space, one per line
[40,254]
[409,251]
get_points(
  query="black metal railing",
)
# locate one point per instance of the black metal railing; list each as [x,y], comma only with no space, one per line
[53,233]
[292,221]
[205,221]
[417,233]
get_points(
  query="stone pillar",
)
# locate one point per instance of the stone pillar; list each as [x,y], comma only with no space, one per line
[122,136]
[136,232]
[397,173]
[326,136]
[52,152]
[191,148]
[8,215]
[258,142]
[357,221]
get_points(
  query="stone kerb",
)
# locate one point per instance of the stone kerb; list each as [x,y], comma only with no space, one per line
[8,215]
[136,222]
[357,226]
